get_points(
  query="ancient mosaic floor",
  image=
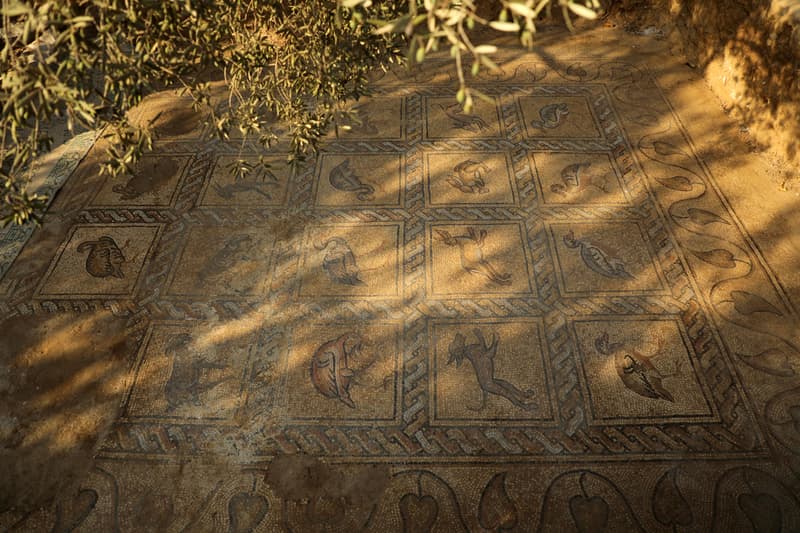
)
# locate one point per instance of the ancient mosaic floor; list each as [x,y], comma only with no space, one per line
[539,316]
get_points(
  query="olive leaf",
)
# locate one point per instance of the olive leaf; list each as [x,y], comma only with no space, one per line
[747,303]
[717,257]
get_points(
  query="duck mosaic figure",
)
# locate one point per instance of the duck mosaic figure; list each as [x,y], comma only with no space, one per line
[343,178]
[598,259]
[636,370]
[462,120]
[551,116]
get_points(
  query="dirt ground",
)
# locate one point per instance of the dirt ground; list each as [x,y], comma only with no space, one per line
[574,309]
[748,51]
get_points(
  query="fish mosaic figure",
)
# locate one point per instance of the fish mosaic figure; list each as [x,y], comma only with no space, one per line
[575,180]
[597,259]
[343,178]
[147,179]
[473,260]
[226,257]
[231,190]
[105,258]
[467,177]
[481,355]
[330,374]
[339,261]
[551,116]
[636,370]
[461,120]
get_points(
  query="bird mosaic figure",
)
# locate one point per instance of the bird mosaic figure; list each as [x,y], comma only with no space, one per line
[226,257]
[467,177]
[461,120]
[343,178]
[574,180]
[551,116]
[597,259]
[105,258]
[330,374]
[636,370]
[339,261]
[481,355]
[471,253]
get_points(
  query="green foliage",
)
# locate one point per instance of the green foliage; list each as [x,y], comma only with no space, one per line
[280,61]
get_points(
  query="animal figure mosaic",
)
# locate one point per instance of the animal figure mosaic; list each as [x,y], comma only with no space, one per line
[473,259]
[481,355]
[226,257]
[188,377]
[339,261]
[574,180]
[146,180]
[467,177]
[362,124]
[330,374]
[105,258]
[461,120]
[636,370]
[597,259]
[551,116]
[343,178]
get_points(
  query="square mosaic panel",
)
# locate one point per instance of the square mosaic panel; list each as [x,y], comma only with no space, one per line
[229,261]
[467,260]
[579,179]
[558,116]
[260,187]
[154,183]
[344,372]
[354,180]
[641,370]
[377,118]
[446,119]
[352,261]
[469,178]
[99,261]
[189,372]
[489,371]
[603,257]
